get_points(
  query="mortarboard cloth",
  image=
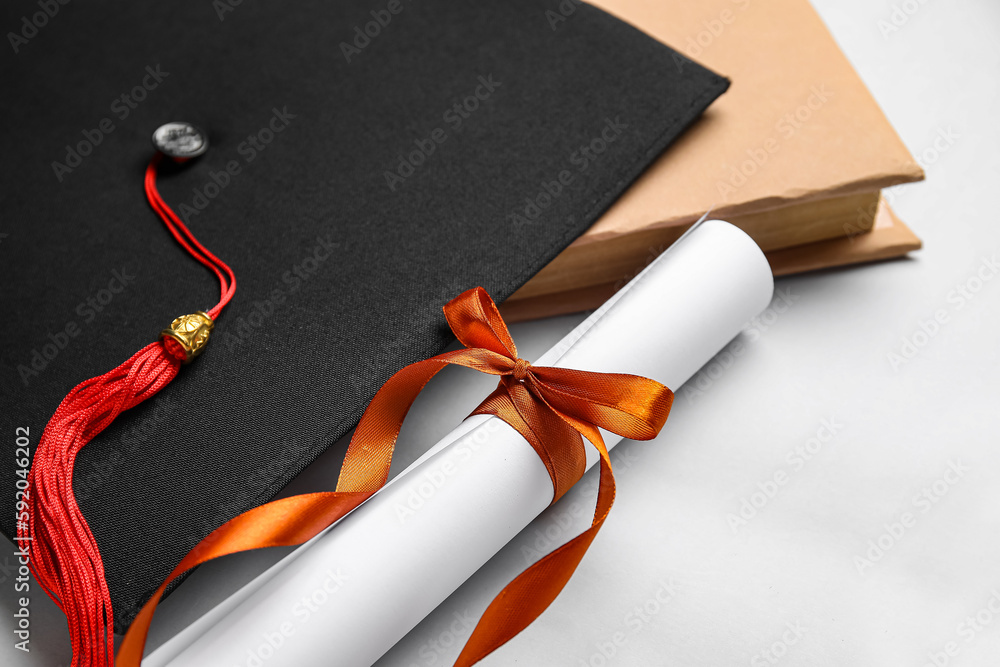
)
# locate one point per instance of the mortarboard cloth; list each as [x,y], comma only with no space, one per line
[369,161]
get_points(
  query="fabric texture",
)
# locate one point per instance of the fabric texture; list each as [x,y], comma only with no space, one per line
[369,161]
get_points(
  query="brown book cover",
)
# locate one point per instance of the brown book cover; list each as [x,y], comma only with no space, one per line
[794,153]
[889,237]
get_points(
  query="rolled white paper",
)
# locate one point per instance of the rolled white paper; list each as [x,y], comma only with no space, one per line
[356,590]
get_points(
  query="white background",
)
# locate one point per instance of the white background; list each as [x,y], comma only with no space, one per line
[671,573]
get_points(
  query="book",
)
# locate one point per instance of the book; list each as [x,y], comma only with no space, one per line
[795,153]
[889,237]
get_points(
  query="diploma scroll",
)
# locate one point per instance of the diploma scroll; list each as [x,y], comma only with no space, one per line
[347,596]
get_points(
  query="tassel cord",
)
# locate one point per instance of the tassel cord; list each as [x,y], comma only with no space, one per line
[63,554]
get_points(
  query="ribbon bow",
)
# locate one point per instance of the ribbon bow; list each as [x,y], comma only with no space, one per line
[550,407]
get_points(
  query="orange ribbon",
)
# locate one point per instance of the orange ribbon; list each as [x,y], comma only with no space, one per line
[550,407]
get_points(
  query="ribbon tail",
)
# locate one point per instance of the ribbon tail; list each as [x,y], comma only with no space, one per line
[531,592]
[286,522]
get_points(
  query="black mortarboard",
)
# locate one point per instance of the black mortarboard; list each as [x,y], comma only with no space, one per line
[369,161]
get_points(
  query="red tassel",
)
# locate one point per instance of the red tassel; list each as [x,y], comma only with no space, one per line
[63,555]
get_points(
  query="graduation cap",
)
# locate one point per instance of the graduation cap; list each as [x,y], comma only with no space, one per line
[368,162]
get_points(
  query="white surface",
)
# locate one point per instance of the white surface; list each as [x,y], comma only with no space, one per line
[731,596]
[420,538]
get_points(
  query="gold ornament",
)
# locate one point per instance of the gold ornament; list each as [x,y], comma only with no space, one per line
[190,332]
